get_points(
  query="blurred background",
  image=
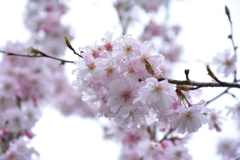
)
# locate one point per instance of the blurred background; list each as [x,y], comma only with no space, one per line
[205,28]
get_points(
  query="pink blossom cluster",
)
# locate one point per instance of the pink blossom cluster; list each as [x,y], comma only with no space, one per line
[135,12]
[19,150]
[22,87]
[150,7]
[43,19]
[23,77]
[28,83]
[138,144]
[120,78]
[165,36]
[129,11]
[229,148]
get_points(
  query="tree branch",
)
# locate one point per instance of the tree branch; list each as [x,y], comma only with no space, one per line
[36,56]
[231,37]
[225,91]
[166,135]
[202,84]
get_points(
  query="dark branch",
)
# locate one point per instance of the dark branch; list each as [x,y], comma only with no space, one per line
[202,84]
[225,91]
[166,135]
[231,37]
[36,56]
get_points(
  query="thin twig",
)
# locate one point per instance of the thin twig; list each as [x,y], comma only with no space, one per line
[233,95]
[165,136]
[38,56]
[231,37]
[225,91]
[178,82]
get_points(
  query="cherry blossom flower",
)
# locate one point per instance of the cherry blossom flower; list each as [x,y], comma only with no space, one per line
[235,112]
[107,41]
[153,30]
[228,148]
[137,117]
[125,47]
[227,64]
[177,153]
[19,150]
[189,119]
[121,97]
[157,95]
[151,150]
[147,58]
[215,120]
[150,7]
[15,120]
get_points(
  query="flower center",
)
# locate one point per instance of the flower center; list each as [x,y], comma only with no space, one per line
[128,49]
[144,59]
[130,70]
[158,89]
[178,154]
[126,95]
[109,71]
[108,47]
[91,67]
[228,63]
[95,54]
[188,116]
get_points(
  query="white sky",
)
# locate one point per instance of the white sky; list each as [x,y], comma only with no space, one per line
[204,31]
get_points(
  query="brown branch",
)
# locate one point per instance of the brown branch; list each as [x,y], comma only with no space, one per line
[225,91]
[202,84]
[36,56]
[231,37]
[166,135]
[152,132]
